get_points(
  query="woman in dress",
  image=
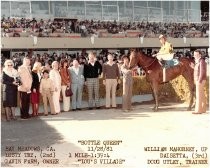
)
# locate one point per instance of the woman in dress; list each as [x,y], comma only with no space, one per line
[36,76]
[65,82]
[11,81]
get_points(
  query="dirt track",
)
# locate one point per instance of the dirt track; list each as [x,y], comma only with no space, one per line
[126,134]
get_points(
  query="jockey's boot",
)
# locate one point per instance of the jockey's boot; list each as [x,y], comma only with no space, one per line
[162,63]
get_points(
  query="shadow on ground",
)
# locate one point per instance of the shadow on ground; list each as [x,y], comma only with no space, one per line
[31,132]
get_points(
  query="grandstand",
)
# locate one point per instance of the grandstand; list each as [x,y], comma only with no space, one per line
[105,24]
[151,11]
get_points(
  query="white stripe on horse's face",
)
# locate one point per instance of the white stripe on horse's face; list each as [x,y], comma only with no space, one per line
[132,62]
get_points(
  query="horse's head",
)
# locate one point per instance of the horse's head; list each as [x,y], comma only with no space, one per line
[133,58]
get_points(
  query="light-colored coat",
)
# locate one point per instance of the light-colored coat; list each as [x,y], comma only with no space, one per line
[77,82]
[56,78]
[77,79]
[26,79]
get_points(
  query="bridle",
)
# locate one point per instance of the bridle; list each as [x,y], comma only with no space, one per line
[147,66]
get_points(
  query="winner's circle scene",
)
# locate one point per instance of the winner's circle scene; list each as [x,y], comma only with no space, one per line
[105,84]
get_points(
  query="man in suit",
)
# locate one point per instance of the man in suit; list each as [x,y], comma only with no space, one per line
[200,81]
[77,82]
[25,89]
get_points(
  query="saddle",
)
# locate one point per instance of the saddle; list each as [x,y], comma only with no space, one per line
[167,61]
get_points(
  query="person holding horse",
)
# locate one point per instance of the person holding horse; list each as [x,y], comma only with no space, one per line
[127,84]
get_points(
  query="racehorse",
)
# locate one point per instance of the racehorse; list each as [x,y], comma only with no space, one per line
[154,73]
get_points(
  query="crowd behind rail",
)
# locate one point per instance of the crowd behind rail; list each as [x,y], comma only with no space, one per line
[46,58]
[16,27]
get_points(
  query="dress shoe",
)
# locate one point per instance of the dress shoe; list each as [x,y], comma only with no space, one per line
[14,118]
[78,108]
[24,118]
[98,107]
[90,108]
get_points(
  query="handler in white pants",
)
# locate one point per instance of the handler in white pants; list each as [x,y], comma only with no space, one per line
[56,78]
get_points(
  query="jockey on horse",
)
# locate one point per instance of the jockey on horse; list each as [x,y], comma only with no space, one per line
[165,55]
[166,50]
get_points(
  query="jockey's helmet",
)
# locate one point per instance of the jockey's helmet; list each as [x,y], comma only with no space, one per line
[162,36]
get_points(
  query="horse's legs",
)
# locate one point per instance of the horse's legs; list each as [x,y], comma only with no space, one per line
[152,91]
[155,88]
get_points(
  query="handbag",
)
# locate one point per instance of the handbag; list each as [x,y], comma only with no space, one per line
[68,92]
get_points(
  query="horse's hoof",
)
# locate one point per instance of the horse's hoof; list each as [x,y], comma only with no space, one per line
[189,109]
[155,109]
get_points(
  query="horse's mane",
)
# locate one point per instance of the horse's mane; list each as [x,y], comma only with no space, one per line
[141,52]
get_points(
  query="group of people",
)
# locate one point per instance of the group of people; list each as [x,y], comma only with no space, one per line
[200,72]
[50,84]
[89,27]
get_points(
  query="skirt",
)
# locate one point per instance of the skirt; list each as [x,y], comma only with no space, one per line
[35,97]
[10,98]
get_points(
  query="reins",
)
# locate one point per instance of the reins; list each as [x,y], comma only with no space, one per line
[147,66]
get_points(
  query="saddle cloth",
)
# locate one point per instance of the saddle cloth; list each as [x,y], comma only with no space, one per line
[169,59]
[171,63]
